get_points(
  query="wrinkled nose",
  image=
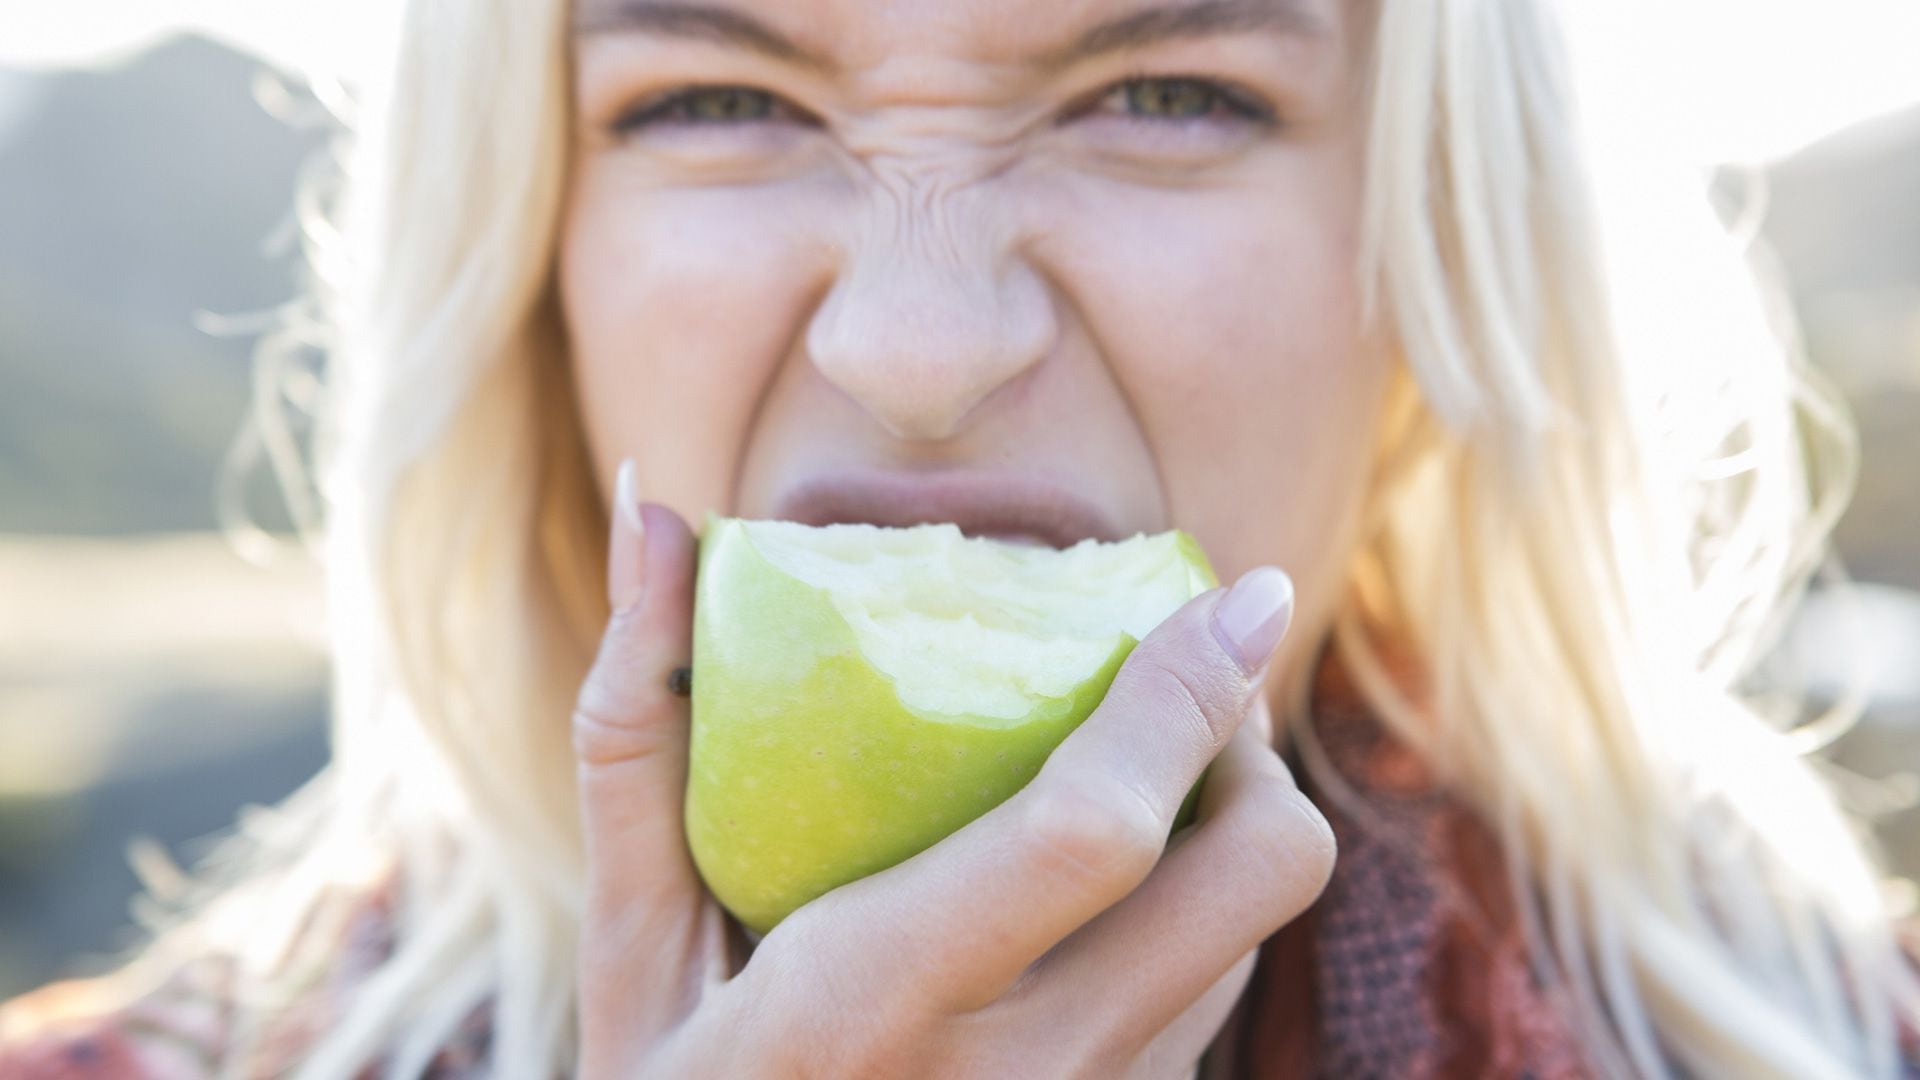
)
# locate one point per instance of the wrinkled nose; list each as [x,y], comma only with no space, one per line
[931,310]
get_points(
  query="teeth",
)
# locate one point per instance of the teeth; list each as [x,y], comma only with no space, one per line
[1023,539]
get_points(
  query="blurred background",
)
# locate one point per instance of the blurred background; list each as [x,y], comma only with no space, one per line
[153,681]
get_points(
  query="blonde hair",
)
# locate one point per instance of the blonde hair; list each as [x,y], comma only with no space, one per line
[1603,484]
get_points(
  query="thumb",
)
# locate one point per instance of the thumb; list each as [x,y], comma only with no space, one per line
[630,732]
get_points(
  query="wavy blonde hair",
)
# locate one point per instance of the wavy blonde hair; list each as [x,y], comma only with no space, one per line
[1605,482]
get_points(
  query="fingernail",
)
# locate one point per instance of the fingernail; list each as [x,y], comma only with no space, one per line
[1253,615]
[626,572]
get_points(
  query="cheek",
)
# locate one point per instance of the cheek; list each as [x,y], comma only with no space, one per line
[1231,320]
[679,307]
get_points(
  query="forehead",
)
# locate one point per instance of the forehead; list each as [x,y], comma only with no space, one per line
[858,32]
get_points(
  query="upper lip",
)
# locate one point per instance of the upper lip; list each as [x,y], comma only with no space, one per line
[980,503]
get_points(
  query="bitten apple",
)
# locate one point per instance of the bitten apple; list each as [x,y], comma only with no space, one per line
[860,692]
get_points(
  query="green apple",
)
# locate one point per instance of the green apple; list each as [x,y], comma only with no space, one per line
[860,692]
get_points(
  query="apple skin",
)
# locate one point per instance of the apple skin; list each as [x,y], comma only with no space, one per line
[805,769]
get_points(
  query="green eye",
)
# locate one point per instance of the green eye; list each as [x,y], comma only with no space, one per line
[712,105]
[726,105]
[1171,98]
[1176,99]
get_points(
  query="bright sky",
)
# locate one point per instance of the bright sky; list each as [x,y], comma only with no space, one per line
[1728,80]
[317,37]
[1747,80]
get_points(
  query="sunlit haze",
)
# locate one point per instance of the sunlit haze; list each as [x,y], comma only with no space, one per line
[1726,80]
[1745,81]
[336,38]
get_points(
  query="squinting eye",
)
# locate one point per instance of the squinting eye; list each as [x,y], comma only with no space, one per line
[1170,97]
[1152,99]
[706,105]
[1180,99]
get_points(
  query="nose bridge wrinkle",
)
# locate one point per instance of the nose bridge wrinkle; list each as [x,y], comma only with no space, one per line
[936,256]
[932,308]
[928,212]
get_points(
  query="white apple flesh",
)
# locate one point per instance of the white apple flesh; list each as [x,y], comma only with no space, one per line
[861,692]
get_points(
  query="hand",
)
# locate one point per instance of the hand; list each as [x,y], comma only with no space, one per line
[1050,937]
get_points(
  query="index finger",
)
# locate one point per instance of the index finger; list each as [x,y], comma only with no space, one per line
[963,920]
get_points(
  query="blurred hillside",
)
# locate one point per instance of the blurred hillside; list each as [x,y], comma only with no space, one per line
[151,682]
[130,199]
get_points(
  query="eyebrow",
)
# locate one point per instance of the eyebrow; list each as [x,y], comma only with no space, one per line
[706,22]
[1201,19]
[702,22]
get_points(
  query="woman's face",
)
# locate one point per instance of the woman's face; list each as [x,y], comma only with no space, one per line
[1048,268]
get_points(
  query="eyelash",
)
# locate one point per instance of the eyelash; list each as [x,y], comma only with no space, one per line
[675,106]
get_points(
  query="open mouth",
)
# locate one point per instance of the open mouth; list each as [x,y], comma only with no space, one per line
[1017,509]
[1023,539]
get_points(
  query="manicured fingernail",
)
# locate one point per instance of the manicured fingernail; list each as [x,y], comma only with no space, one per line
[626,551]
[1253,615]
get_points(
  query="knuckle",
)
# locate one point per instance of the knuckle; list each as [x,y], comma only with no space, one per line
[1286,843]
[607,731]
[1096,833]
[616,714]
[624,626]
[1203,699]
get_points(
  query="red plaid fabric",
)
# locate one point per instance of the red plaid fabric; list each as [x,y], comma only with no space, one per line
[1411,965]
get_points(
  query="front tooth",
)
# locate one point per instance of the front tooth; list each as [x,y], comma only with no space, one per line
[1023,539]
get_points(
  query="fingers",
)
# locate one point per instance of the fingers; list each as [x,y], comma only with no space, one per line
[1177,1050]
[1260,855]
[630,743]
[968,916]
